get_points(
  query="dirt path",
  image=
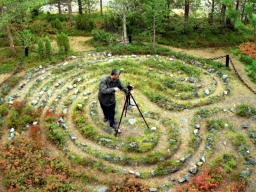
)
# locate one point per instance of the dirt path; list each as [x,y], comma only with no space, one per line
[239,94]
[211,53]
[77,43]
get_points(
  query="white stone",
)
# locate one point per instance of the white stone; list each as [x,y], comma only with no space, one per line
[132,172]
[35,123]
[41,93]
[77,91]
[225,92]
[196,131]
[171,59]
[65,63]
[131,121]
[10,102]
[153,128]
[94,102]
[65,111]
[80,105]
[12,130]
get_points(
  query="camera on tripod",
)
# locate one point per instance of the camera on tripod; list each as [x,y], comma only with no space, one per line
[129,87]
[128,98]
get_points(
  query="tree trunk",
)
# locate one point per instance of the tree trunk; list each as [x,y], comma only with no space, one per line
[101,8]
[124,27]
[9,33]
[242,17]
[168,3]
[2,15]
[212,12]
[223,10]
[222,19]
[245,20]
[80,8]
[186,10]
[70,12]
[154,32]
[237,4]
[59,7]
[186,15]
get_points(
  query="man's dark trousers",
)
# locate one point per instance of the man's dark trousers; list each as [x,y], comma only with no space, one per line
[109,113]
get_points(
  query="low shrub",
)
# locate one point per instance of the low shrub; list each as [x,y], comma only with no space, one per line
[63,41]
[245,110]
[26,166]
[41,49]
[20,114]
[128,183]
[100,37]
[56,24]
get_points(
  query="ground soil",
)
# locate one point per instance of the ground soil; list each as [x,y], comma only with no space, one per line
[239,94]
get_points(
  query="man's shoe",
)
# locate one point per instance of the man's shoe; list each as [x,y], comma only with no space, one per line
[113,126]
[119,131]
[105,119]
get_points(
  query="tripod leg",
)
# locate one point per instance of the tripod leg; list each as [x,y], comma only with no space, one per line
[139,110]
[126,103]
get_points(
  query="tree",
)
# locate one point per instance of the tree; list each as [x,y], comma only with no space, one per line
[154,16]
[186,11]
[48,47]
[101,8]
[89,5]
[59,8]
[41,49]
[63,41]
[18,11]
[80,7]
[123,8]
[70,12]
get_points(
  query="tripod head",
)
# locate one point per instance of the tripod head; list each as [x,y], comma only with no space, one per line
[129,87]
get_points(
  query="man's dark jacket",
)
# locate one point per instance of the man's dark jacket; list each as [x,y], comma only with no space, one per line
[106,93]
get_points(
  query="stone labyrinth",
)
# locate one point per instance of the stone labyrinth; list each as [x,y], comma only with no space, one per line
[185,102]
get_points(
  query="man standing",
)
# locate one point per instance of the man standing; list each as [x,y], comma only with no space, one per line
[107,88]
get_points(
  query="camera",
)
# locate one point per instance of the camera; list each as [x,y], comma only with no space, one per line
[129,87]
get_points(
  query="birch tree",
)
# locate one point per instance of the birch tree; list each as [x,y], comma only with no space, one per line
[123,8]
[17,11]
[154,16]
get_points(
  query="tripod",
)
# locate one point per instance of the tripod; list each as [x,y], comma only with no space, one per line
[126,105]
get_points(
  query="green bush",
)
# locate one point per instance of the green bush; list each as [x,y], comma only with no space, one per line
[41,49]
[38,27]
[63,41]
[61,51]
[56,24]
[4,108]
[48,47]
[246,59]
[245,110]
[84,22]
[235,51]
[55,133]
[103,38]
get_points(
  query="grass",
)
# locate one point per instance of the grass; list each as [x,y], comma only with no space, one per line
[245,110]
